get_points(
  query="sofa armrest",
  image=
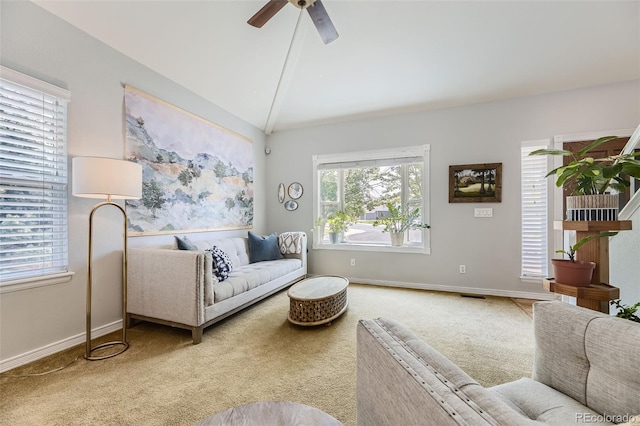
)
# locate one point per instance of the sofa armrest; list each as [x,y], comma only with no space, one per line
[401,380]
[168,284]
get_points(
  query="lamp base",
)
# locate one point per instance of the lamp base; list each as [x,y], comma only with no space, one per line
[89,357]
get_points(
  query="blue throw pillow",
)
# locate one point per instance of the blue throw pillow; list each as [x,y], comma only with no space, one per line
[222,265]
[263,248]
[185,244]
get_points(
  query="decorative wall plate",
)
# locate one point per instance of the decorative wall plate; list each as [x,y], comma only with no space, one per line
[291,205]
[281,192]
[295,190]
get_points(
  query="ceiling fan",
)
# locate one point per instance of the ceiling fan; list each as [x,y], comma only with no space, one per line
[315,8]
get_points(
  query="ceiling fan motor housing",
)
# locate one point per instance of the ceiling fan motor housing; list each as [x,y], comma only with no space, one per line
[302,4]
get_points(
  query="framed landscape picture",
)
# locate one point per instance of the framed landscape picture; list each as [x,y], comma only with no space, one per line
[475,183]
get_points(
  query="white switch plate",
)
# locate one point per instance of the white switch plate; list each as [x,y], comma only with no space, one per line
[483,212]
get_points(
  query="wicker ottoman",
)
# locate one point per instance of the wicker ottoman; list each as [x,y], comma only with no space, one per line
[318,300]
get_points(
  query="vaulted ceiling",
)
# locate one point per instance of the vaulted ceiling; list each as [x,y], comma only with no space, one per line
[392,56]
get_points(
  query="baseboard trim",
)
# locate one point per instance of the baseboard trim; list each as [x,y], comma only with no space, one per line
[55,347]
[455,289]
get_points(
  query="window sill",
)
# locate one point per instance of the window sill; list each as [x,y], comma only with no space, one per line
[373,248]
[35,282]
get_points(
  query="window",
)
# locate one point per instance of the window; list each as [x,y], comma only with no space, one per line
[361,184]
[535,211]
[33,179]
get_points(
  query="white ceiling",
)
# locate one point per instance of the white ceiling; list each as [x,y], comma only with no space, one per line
[392,56]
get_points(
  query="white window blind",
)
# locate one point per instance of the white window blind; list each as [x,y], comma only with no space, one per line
[535,208]
[33,177]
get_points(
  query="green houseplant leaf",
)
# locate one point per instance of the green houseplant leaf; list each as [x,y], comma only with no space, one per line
[398,220]
[588,175]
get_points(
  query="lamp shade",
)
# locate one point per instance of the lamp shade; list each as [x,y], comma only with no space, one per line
[95,177]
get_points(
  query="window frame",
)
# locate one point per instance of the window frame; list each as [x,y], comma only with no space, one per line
[62,273]
[422,151]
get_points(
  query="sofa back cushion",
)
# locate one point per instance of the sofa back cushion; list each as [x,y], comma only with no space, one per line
[612,346]
[589,356]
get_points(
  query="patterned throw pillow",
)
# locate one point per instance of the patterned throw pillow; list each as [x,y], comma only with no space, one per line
[222,265]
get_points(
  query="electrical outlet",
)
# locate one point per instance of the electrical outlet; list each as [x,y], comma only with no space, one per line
[463,269]
[353,262]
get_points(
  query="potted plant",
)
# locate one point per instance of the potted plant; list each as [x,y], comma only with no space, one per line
[627,312]
[576,272]
[589,180]
[397,221]
[338,222]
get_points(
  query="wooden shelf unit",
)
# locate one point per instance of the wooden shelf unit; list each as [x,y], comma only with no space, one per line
[593,296]
[596,250]
[597,295]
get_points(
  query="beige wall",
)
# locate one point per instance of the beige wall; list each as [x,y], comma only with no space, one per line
[483,133]
[34,321]
[39,44]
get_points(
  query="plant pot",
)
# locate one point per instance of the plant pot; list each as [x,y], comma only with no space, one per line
[596,207]
[576,273]
[334,237]
[397,239]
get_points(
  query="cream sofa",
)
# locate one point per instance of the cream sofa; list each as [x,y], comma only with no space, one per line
[178,288]
[586,371]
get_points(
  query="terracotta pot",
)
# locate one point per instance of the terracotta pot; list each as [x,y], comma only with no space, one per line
[576,273]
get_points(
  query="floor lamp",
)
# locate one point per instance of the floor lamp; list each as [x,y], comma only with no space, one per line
[109,179]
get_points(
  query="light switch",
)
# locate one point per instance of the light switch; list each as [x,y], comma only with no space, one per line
[483,212]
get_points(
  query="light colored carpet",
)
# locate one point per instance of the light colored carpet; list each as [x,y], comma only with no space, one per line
[257,355]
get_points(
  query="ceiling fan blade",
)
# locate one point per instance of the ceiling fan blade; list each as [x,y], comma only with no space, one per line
[322,22]
[266,13]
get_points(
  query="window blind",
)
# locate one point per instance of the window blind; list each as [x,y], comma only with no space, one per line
[534,211]
[380,162]
[33,177]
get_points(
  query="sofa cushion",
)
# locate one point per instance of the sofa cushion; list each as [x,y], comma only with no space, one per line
[290,242]
[613,384]
[221,264]
[184,243]
[544,404]
[253,275]
[262,248]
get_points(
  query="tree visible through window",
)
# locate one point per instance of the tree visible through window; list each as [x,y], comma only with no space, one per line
[362,184]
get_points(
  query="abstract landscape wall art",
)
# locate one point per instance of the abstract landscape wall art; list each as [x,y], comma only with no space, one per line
[196,175]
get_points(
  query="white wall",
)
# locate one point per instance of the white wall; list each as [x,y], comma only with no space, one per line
[39,44]
[624,264]
[483,133]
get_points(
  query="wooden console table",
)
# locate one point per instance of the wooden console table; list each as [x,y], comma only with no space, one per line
[593,296]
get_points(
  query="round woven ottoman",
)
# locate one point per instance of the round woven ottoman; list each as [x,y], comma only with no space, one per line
[318,300]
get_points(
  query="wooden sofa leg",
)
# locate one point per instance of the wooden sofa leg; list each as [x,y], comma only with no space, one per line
[129,322]
[196,333]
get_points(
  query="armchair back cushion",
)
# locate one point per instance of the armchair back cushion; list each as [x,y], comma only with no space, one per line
[589,356]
